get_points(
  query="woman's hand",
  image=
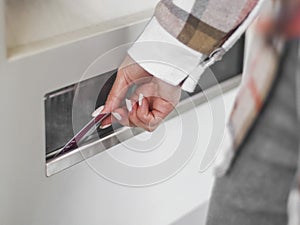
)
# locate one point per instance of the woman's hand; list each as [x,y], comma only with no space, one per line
[151,102]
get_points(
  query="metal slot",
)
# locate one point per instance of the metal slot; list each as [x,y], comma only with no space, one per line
[59,116]
[56,165]
[59,110]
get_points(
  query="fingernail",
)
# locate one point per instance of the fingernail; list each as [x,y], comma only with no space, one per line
[128,105]
[105,126]
[117,115]
[141,96]
[97,111]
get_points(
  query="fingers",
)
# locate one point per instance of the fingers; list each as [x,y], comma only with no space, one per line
[143,112]
[162,108]
[116,95]
[118,91]
[134,114]
[140,111]
[148,117]
[128,74]
[119,115]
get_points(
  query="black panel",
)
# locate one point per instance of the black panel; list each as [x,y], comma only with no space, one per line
[59,106]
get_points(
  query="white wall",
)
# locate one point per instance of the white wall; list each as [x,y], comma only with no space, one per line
[32,21]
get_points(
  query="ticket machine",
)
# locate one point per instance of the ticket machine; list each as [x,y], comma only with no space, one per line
[58,60]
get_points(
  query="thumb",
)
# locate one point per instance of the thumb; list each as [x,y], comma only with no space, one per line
[118,92]
[116,95]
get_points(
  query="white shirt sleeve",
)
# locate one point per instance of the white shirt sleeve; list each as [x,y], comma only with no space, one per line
[166,58]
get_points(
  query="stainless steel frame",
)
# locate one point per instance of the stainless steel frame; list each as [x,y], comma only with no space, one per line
[67,160]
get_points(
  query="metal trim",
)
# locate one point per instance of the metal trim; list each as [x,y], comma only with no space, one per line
[63,162]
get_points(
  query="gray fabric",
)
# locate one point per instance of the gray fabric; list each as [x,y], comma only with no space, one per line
[175,10]
[256,189]
[199,8]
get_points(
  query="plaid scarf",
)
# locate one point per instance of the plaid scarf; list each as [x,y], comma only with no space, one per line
[259,76]
[205,22]
[206,25]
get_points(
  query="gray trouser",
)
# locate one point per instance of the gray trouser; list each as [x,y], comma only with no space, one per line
[256,189]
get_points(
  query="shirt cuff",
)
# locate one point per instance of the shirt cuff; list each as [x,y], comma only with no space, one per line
[166,58]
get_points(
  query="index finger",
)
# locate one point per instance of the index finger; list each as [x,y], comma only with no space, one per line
[118,92]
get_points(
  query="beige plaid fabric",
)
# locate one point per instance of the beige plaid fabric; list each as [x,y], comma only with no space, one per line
[208,23]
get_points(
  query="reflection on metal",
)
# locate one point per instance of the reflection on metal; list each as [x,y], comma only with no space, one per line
[76,156]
